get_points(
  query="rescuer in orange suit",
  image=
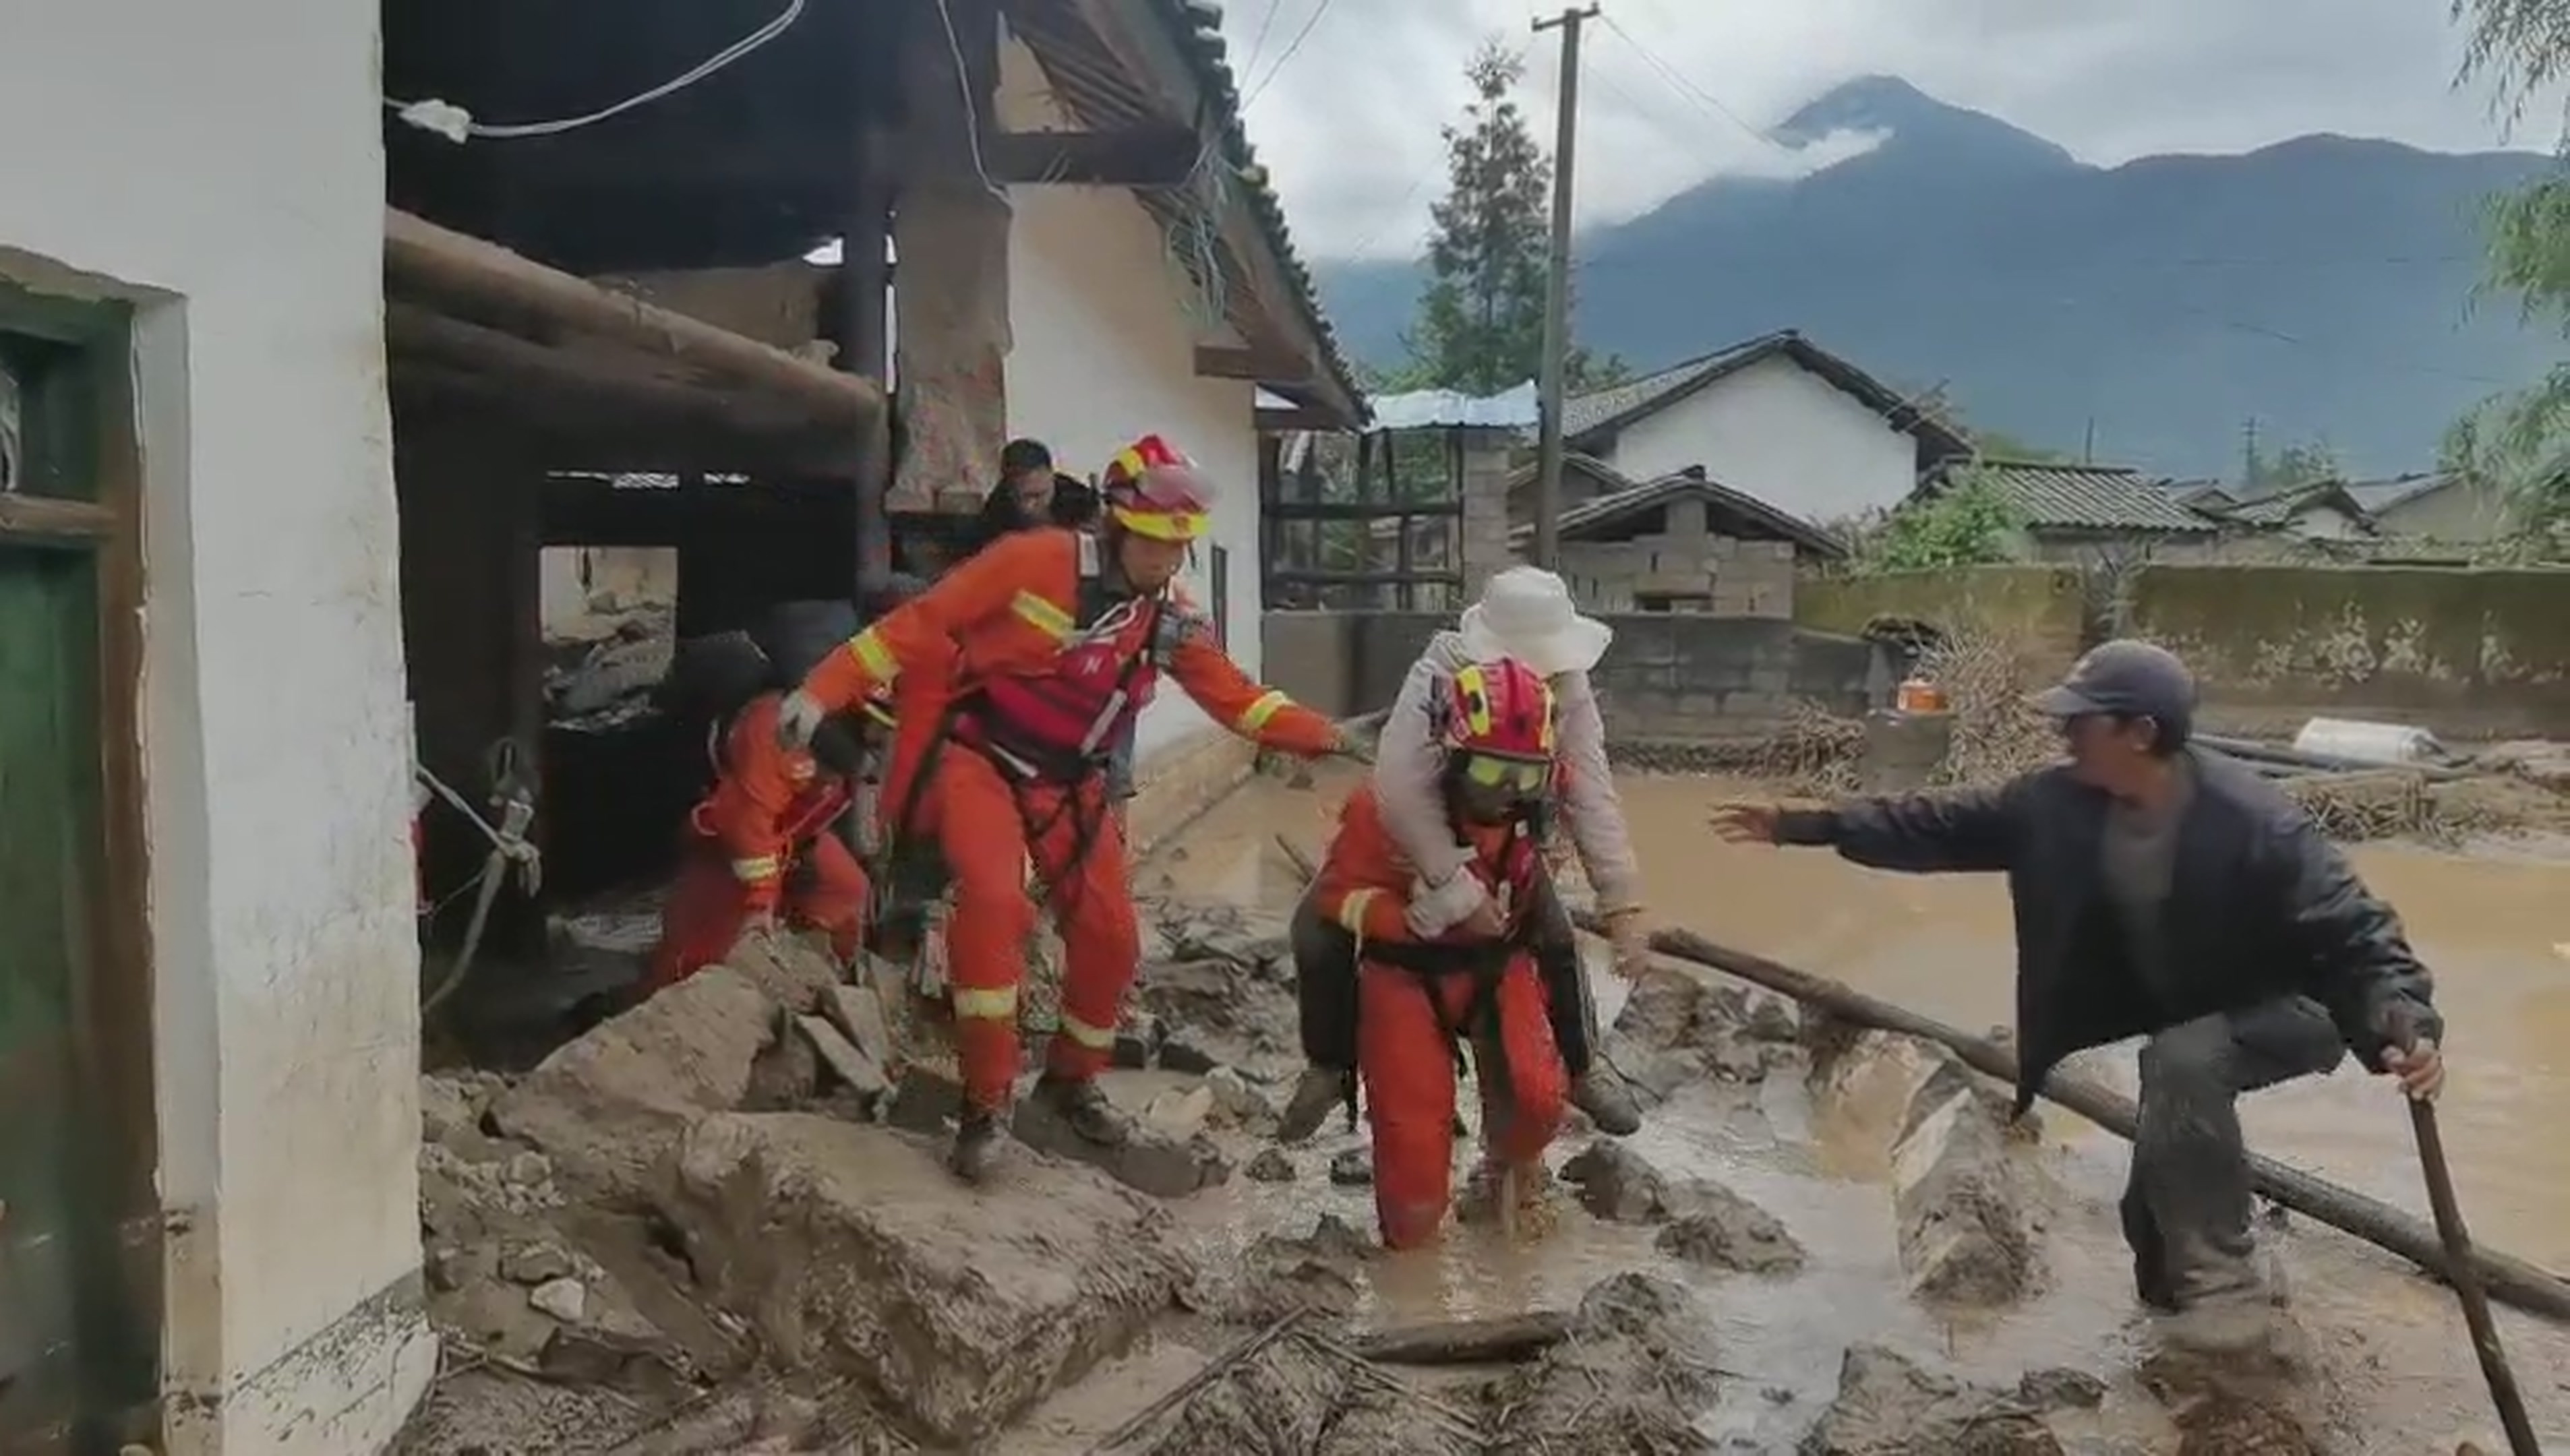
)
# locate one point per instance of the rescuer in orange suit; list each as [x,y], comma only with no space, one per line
[1420,997]
[760,847]
[1014,676]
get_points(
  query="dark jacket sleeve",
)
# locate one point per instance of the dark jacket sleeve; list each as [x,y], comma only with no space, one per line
[1923,834]
[2359,964]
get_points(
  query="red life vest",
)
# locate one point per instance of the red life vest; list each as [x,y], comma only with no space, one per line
[1062,723]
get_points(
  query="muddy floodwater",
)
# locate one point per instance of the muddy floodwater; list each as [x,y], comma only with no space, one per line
[2488,924]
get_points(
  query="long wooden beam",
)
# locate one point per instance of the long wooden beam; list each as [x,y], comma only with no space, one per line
[485,283]
[1162,156]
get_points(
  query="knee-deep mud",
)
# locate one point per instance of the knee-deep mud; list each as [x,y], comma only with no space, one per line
[1817,1242]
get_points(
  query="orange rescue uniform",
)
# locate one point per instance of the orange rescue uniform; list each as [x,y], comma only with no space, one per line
[1009,704]
[759,844]
[1417,999]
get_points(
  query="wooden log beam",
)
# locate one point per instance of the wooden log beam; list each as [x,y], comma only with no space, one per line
[1161,156]
[1296,417]
[490,284]
[1494,1339]
[2511,1280]
[1239,361]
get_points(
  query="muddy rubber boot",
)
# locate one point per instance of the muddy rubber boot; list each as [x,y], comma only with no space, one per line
[977,1147]
[1084,1110]
[1608,1102]
[1319,1092]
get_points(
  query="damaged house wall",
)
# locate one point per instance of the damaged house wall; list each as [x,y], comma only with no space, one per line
[240,207]
[1105,326]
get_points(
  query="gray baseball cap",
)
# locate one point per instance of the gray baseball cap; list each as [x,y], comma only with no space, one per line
[2127,679]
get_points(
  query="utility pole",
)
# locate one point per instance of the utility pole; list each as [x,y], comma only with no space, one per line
[1556,292]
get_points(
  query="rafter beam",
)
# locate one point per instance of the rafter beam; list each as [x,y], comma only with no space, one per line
[1131,157]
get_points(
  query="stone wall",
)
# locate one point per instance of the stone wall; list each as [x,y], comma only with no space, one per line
[2465,653]
[2042,608]
[1668,676]
[1704,573]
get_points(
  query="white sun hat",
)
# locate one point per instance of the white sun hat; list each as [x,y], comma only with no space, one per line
[1526,613]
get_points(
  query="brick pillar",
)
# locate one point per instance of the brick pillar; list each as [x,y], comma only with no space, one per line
[1486,508]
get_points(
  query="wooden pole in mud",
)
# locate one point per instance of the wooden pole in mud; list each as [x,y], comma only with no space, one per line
[2508,1279]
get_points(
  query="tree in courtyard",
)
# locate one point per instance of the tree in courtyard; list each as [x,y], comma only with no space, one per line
[2523,441]
[1479,327]
[1971,523]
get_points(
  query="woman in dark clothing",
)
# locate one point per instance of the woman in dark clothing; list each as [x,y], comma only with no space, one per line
[1030,492]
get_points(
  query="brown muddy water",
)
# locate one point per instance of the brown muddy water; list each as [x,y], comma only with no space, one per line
[2488,924]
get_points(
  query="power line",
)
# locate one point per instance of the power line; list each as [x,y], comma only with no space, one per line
[1258,41]
[1704,99]
[1292,46]
[1434,170]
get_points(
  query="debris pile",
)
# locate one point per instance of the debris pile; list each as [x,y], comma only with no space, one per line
[720,1223]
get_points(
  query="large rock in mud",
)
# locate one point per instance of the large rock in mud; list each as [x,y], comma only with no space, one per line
[1965,1199]
[1707,1222]
[854,1250]
[607,1106]
[1678,1028]
[1278,1275]
[1223,1011]
[1636,1373]
[1966,1230]
[1889,1406]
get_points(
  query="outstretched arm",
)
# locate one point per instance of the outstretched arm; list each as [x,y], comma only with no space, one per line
[1923,834]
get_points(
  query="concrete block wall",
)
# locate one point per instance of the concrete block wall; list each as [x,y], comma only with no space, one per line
[1485,549]
[1668,675]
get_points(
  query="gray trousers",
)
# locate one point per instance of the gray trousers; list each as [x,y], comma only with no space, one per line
[2186,1206]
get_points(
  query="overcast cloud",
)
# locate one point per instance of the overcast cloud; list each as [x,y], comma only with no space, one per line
[1349,123]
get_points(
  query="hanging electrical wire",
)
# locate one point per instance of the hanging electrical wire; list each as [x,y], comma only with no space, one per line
[457,125]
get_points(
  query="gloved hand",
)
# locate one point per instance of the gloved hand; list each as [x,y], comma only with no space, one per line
[1435,910]
[1631,940]
[797,720]
[1347,746]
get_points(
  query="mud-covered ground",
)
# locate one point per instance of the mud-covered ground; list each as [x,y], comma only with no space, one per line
[717,1224]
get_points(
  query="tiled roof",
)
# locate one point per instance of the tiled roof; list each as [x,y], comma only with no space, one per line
[1613,408]
[2378,497]
[1085,73]
[2284,508]
[1731,511]
[2090,498]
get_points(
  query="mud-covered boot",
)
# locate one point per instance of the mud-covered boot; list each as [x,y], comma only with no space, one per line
[1084,1108]
[1319,1092]
[977,1147]
[1607,1101]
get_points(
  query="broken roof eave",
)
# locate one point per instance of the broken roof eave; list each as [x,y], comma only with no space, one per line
[604,378]
[1171,56]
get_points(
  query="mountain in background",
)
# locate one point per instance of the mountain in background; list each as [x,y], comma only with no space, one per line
[2322,286]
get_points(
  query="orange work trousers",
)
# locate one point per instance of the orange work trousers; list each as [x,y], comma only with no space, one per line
[825,890]
[1407,1061]
[988,829]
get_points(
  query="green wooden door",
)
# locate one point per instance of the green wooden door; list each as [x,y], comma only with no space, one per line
[45,608]
[75,1361]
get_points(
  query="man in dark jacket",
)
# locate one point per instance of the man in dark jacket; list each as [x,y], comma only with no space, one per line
[1032,493]
[2163,892]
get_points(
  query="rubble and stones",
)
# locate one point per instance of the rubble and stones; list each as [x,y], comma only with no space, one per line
[1271,1165]
[1889,1405]
[1678,1028]
[1636,1375]
[1707,1223]
[854,1249]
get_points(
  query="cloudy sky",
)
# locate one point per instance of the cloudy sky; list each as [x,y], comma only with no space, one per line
[1347,94]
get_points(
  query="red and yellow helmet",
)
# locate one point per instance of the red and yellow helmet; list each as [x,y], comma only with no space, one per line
[1499,723]
[1151,489]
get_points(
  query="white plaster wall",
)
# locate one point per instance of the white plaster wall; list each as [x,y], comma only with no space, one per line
[235,192]
[1104,351]
[2466,512]
[1784,435]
